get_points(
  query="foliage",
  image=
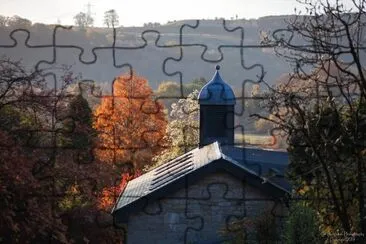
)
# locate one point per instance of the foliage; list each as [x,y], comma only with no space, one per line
[19,123]
[22,217]
[17,83]
[44,189]
[320,106]
[302,226]
[111,18]
[130,124]
[261,229]
[183,129]
[109,195]
[83,20]
[170,91]
[77,124]
[195,84]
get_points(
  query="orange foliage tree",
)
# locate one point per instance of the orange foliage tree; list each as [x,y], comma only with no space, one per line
[131,124]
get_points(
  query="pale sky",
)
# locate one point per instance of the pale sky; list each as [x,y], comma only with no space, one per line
[138,12]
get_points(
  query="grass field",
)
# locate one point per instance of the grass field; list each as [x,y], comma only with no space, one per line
[254,139]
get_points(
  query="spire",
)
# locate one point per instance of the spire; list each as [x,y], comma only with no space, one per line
[217,103]
[216,91]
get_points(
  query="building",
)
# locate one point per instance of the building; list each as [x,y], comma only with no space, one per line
[196,196]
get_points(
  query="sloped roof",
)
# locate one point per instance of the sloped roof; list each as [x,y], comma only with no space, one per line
[254,163]
[150,181]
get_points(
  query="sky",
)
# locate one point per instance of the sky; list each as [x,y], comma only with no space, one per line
[138,12]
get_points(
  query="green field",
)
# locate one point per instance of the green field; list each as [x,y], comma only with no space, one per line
[254,139]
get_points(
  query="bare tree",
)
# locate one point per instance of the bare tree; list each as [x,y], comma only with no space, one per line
[111,18]
[18,22]
[82,20]
[17,83]
[3,21]
[322,108]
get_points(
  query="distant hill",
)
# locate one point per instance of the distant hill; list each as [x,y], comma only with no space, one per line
[147,58]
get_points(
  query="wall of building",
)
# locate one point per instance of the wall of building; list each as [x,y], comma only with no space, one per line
[198,214]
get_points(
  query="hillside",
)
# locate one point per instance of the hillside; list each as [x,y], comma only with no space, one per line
[148,58]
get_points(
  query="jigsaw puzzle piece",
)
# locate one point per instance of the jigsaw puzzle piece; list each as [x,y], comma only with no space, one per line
[66,68]
[171,210]
[212,38]
[219,199]
[80,42]
[232,66]
[148,57]
[19,48]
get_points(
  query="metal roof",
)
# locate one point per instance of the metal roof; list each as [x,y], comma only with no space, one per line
[168,173]
[254,163]
[216,92]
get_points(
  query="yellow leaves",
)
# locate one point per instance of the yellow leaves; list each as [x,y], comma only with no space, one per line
[328,230]
[73,198]
[303,190]
[74,190]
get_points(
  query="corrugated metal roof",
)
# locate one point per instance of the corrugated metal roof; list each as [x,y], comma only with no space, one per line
[263,162]
[255,162]
[168,173]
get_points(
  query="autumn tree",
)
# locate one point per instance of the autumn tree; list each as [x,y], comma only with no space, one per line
[321,108]
[130,124]
[44,189]
[111,18]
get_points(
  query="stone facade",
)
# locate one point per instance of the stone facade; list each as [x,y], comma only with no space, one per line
[199,214]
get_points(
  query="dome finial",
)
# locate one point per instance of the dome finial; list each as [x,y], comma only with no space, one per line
[216,91]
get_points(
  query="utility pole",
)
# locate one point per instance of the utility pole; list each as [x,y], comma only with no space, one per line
[89,13]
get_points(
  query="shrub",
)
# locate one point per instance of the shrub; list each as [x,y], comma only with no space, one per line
[302,226]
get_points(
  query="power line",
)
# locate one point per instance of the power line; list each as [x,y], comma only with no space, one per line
[89,12]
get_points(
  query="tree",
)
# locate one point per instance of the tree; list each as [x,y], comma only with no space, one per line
[168,92]
[78,132]
[302,226]
[43,188]
[183,129]
[195,84]
[18,22]
[321,108]
[82,20]
[3,21]
[111,18]
[130,124]
[22,215]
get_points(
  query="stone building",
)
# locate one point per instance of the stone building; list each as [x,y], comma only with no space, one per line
[197,196]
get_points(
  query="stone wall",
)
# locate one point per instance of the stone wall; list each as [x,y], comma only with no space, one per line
[200,213]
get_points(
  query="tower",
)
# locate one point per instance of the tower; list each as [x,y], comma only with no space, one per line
[217,102]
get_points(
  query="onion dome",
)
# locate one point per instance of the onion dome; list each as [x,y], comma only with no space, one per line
[216,92]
